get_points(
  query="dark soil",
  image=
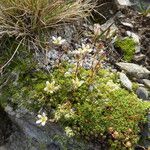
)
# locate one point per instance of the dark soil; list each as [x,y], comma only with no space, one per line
[104,11]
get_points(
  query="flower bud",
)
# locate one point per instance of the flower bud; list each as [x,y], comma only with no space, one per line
[115,134]
[110,129]
[128,144]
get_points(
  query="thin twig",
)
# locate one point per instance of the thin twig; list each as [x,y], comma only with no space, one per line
[1,69]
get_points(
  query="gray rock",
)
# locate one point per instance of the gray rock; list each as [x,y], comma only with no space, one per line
[125,81]
[139,57]
[142,93]
[134,70]
[135,37]
[29,136]
[137,49]
[147,82]
[127,24]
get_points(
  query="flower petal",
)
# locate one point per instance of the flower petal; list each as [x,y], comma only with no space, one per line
[54,38]
[47,82]
[43,114]
[45,89]
[39,116]
[38,121]
[43,123]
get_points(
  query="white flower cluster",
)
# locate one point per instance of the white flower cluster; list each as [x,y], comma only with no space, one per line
[51,87]
[84,49]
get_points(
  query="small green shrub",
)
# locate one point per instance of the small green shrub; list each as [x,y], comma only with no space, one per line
[127,45]
[93,107]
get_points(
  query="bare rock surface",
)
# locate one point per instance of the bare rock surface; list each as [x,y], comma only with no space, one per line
[28,135]
[134,69]
[125,81]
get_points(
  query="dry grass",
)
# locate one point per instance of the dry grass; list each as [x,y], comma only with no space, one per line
[21,18]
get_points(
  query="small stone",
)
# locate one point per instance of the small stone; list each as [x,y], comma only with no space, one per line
[139,57]
[146,82]
[125,81]
[140,85]
[134,70]
[137,49]
[124,2]
[127,24]
[135,37]
[142,93]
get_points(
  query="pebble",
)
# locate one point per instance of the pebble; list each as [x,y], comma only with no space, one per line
[124,2]
[142,93]
[125,81]
[137,49]
[139,57]
[135,37]
[127,24]
[146,82]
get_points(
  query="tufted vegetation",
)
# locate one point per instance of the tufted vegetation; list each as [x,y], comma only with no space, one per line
[29,18]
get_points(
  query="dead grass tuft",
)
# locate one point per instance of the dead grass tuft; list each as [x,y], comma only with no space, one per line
[21,18]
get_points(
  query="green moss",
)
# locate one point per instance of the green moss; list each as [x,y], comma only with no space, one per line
[90,110]
[135,86]
[127,45]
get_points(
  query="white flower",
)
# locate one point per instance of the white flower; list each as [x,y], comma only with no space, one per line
[42,119]
[69,132]
[77,83]
[51,87]
[58,40]
[83,49]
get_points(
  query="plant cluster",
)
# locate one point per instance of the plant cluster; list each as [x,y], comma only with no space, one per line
[127,46]
[87,105]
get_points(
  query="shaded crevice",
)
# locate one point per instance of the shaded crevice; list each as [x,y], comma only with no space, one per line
[5,126]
